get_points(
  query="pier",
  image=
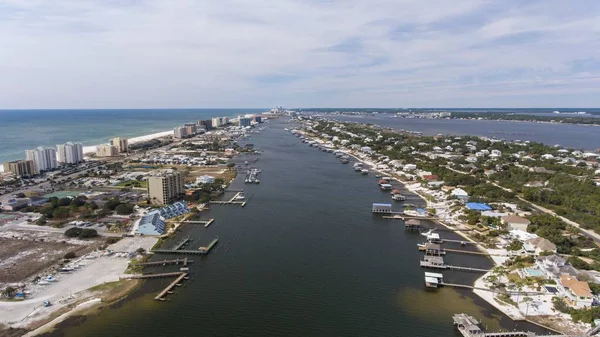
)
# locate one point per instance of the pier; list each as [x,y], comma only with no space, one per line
[185,262]
[465,252]
[167,290]
[201,251]
[468,326]
[412,225]
[206,223]
[150,276]
[182,243]
[206,249]
[437,262]
[228,202]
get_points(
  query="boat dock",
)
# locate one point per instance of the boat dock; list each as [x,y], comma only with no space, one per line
[168,289]
[466,252]
[412,225]
[182,243]
[468,326]
[438,263]
[228,202]
[149,276]
[201,251]
[206,249]
[185,262]
[206,223]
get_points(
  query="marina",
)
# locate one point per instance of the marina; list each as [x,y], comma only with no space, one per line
[168,290]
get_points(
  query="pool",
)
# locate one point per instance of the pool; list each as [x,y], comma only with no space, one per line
[533,272]
[551,289]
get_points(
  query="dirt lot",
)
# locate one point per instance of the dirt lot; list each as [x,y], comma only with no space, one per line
[24,255]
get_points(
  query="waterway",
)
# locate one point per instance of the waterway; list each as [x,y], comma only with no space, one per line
[569,135]
[304,257]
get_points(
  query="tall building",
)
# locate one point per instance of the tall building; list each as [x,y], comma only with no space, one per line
[224,120]
[43,158]
[21,168]
[190,128]
[106,150]
[258,119]
[180,132]
[216,122]
[69,153]
[120,143]
[244,122]
[166,187]
[206,123]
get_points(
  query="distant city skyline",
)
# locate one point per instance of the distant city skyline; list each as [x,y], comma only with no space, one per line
[360,54]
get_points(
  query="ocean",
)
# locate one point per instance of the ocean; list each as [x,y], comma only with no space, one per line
[26,129]
[304,257]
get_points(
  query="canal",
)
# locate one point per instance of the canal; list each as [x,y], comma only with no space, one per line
[304,257]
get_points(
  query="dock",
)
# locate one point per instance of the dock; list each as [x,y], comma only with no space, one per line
[462,242]
[167,290]
[184,261]
[182,243]
[206,223]
[468,326]
[206,249]
[437,262]
[412,225]
[228,202]
[150,276]
[465,252]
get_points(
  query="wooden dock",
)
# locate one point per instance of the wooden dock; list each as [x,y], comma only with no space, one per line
[185,261]
[465,252]
[437,262]
[206,223]
[206,249]
[182,243]
[149,276]
[201,251]
[465,242]
[167,290]
[222,202]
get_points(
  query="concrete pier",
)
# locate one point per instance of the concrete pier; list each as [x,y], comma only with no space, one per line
[185,261]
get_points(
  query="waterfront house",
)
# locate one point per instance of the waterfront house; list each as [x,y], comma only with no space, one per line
[460,194]
[151,224]
[382,208]
[516,222]
[538,245]
[578,293]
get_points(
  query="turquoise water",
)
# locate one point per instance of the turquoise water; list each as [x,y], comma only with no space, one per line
[27,129]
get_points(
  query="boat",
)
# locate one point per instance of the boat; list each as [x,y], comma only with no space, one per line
[364,172]
[344,161]
[398,197]
[378,176]
[357,168]
[239,197]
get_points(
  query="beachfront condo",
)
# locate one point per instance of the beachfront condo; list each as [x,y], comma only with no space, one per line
[165,187]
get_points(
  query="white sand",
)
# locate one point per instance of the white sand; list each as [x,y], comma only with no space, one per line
[91,149]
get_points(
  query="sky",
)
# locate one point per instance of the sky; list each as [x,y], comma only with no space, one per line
[299,53]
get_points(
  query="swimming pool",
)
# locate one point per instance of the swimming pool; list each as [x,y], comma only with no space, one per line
[533,272]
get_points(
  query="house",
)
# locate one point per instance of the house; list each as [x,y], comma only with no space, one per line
[475,206]
[366,149]
[578,293]
[151,224]
[535,184]
[538,245]
[430,177]
[516,222]
[459,193]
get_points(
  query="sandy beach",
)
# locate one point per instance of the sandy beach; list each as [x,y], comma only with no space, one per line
[92,148]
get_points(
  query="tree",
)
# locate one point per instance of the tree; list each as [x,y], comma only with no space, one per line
[92,205]
[70,255]
[77,202]
[88,233]
[41,221]
[9,292]
[515,245]
[112,204]
[61,213]
[73,232]
[125,209]
[64,201]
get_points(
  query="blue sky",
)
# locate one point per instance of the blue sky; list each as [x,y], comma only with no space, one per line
[317,53]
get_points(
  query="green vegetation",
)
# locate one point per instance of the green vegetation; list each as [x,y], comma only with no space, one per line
[133,183]
[523,117]
[81,233]
[553,229]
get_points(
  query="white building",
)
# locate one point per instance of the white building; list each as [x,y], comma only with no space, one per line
[69,153]
[205,180]
[516,222]
[180,132]
[44,159]
[106,150]
[120,143]
[460,194]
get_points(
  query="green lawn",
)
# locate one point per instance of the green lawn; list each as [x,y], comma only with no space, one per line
[133,183]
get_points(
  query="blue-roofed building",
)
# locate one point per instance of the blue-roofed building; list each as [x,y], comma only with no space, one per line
[151,224]
[174,210]
[382,208]
[475,206]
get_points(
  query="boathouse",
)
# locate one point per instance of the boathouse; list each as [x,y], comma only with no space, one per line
[382,208]
[433,249]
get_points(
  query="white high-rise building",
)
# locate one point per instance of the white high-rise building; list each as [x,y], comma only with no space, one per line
[69,153]
[43,158]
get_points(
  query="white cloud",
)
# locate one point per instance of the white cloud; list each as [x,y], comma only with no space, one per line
[251,53]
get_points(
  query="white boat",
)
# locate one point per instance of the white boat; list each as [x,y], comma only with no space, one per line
[364,172]
[239,197]
[398,197]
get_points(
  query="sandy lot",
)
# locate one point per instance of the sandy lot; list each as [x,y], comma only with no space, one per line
[72,287]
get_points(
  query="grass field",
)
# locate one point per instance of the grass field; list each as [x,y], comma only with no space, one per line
[133,183]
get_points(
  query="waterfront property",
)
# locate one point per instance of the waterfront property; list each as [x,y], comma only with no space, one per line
[165,187]
[151,224]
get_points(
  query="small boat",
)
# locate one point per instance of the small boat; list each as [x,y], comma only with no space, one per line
[344,161]
[364,172]
[398,197]
[378,176]
[357,168]
[239,197]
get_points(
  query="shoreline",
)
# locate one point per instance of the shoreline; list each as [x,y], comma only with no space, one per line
[92,148]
